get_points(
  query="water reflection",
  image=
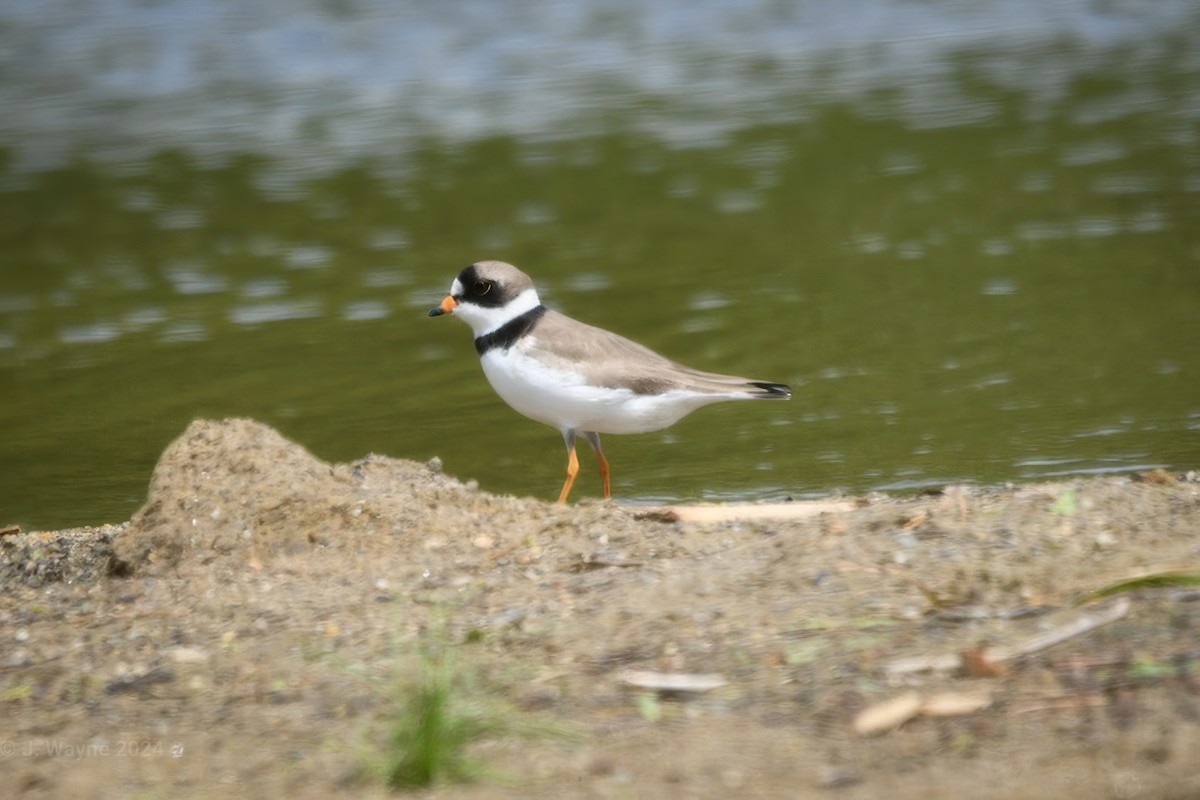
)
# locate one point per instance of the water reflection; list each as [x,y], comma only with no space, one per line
[965,233]
[259,313]
[337,83]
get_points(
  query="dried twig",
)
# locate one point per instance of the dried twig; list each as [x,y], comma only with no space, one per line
[948,662]
[1077,627]
[602,559]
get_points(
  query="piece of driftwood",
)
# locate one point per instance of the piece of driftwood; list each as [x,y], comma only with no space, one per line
[726,512]
[672,682]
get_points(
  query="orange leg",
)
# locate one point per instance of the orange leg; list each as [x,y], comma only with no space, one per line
[572,466]
[605,473]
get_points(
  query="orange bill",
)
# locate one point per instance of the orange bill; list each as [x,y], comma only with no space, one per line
[445,307]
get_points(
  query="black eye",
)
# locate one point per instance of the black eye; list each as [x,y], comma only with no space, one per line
[482,287]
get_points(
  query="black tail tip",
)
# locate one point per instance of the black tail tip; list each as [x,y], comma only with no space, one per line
[779,390]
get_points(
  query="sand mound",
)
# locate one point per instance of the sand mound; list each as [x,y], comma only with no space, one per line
[238,486]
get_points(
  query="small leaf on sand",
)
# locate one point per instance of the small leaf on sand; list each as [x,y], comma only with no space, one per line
[885,716]
[1067,504]
[648,707]
[953,704]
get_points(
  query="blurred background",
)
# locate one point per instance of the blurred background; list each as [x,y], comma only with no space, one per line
[967,233]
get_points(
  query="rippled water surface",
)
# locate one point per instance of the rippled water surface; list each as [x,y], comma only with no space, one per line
[966,233]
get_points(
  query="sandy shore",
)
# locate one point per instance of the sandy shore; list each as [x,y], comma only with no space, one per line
[254,629]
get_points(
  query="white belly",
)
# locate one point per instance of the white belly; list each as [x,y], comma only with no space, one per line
[563,400]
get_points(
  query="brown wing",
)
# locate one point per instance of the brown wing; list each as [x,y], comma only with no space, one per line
[611,360]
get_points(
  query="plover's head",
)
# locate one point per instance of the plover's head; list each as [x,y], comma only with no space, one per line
[488,294]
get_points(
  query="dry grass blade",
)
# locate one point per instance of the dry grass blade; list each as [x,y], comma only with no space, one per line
[1156,580]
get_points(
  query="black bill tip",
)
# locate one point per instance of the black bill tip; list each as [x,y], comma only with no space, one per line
[778,390]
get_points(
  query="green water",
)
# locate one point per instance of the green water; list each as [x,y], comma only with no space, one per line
[968,302]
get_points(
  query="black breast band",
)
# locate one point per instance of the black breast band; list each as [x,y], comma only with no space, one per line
[507,334]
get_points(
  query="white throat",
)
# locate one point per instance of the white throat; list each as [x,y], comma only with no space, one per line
[484,320]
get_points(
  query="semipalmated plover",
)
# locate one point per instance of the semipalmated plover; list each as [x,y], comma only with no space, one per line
[577,378]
